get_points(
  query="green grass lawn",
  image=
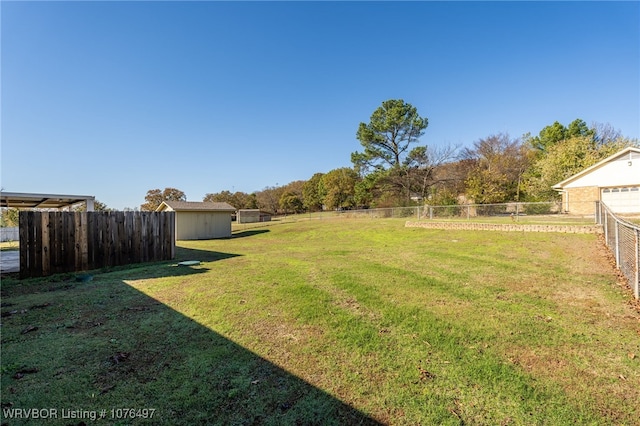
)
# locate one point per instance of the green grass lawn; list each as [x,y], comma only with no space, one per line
[410,214]
[343,321]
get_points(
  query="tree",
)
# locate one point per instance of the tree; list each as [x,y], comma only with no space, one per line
[339,187]
[605,133]
[291,203]
[398,186]
[563,151]
[500,163]
[563,160]
[420,168]
[251,202]
[312,195]
[371,190]
[155,197]
[551,135]
[450,178]
[220,197]
[394,126]
[239,200]
[295,187]
[9,217]
[388,165]
[97,206]
[579,128]
[269,198]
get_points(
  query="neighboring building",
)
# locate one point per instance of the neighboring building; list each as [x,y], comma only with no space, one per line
[615,181]
[200,220]
[252,216]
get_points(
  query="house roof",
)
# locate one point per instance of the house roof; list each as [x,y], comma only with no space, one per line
[195,206]
[630,151]
[23,200]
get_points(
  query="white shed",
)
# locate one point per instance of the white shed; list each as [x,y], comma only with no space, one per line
[200,220]
[615,181]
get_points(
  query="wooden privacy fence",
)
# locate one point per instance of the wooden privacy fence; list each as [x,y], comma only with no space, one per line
[57,242]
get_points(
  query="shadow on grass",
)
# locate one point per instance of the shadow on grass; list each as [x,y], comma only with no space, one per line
[183,254]
[249,233]
[84,347]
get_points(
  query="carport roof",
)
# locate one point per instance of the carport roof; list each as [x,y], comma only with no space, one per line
[41,201]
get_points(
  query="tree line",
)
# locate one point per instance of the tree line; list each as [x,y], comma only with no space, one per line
[395,169]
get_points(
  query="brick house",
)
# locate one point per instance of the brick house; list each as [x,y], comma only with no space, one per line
[615,181]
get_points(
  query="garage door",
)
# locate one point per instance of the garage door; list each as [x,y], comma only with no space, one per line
[622,200]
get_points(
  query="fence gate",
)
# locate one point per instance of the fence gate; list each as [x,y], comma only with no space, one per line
[57,242]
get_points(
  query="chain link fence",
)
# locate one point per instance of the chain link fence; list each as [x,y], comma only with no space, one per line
[458,211]
[623,239]
[471,212]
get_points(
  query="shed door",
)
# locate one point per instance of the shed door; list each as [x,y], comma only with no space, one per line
[622,200]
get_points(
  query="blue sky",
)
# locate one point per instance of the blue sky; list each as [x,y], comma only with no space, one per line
[115,98]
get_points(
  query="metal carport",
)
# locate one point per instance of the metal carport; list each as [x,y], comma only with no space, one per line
[21,200]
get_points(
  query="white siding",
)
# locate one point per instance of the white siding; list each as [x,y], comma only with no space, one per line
[202,225]
[615,173]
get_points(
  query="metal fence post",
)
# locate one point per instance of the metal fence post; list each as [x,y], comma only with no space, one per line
[636,289]
[599,212]
[617,244]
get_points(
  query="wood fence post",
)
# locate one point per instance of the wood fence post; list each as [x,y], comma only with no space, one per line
[46,241]
[32,245]
[24,241]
